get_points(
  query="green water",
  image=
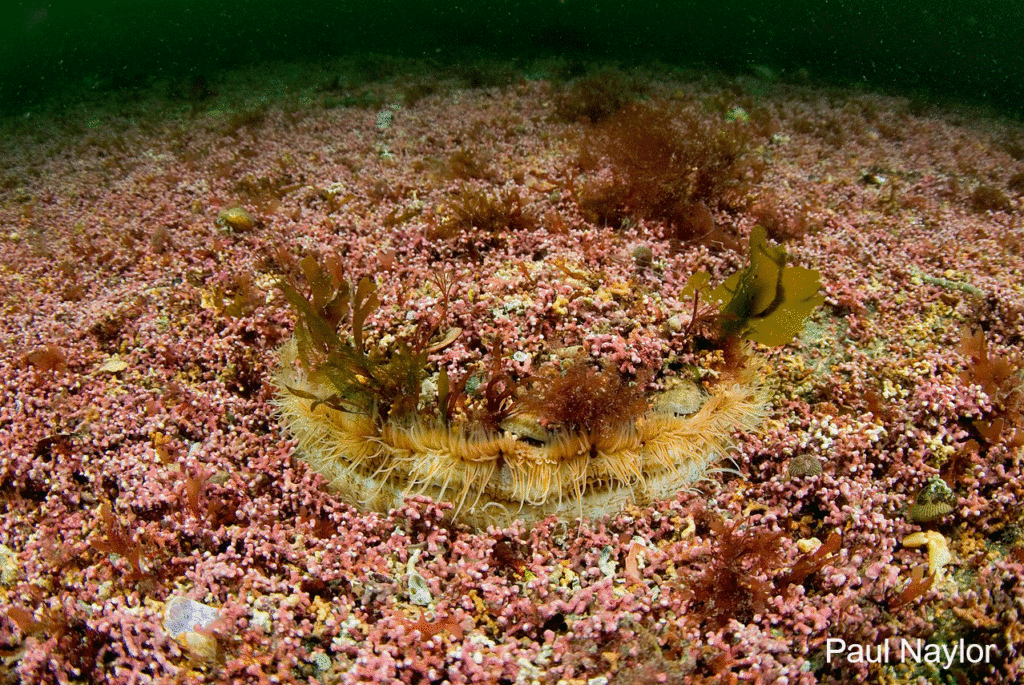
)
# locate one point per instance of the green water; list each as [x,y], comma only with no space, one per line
[965,50]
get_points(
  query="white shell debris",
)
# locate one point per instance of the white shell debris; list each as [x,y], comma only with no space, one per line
[182,614]
[419,591]
[184,619]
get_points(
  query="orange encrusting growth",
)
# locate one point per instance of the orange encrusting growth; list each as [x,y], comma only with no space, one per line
[525,469]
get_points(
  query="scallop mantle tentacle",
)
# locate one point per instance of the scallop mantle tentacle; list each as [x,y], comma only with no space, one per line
[522,471]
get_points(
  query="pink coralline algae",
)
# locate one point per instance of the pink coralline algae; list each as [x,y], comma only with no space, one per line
[142,462]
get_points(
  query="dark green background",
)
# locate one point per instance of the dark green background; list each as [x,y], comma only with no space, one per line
[968,50]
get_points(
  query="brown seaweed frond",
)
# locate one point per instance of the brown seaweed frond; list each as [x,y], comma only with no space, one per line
[584,399]
[382,383]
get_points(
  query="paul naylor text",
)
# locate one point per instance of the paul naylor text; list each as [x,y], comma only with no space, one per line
[916,651]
